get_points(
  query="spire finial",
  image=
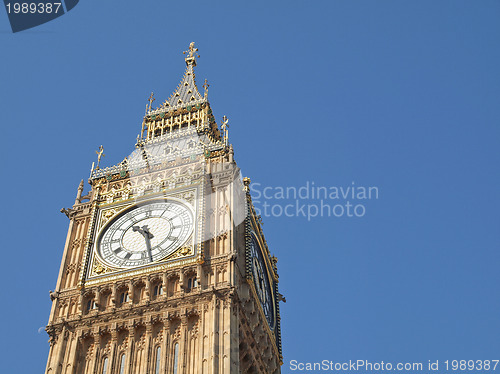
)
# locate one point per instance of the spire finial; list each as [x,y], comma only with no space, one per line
[191,58]
[225,127]
[246,183]
[150,101]
[79,192]
[100,154]
[205,86]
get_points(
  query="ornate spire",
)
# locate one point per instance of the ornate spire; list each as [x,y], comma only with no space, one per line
[187,92]
[182,125]
[79,192]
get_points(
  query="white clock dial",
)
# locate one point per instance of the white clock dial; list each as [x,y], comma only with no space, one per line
[145,233]
[261,281]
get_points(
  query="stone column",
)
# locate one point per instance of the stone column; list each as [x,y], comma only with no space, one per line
[97,300]
[131,291]
[232,337]
[113,296]
[199,275]
[57,364]
[147,347]
[112,360]
[215,333]
[183,343]
[55,347]
[72,359]
[64,264]
[93,361]
[51,352]
[147,288]
[164,345]
[165,286]
[129,359]
[181,281]
[81,307]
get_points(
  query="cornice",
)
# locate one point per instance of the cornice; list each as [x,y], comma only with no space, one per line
[186,302]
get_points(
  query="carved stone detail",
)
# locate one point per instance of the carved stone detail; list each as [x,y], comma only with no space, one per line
[99,269]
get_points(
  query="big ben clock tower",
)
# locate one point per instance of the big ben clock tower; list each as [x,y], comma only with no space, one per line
[165,267]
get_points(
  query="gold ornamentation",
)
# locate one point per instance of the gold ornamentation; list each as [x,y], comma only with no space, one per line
[100,154]
[181,252]
[188,196]
[108,214]
[192,51]
[246,182]
[99,269]
[205,86]
[185,250]
[150,100]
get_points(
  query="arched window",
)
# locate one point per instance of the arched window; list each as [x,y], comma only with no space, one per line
[91,304]
[122,364]
[176,357]
[158,360]
[105,365]
[124,297]
[158,290]
[192,283]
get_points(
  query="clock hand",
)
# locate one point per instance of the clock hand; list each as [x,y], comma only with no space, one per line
[146,230]
[147,237]
[262,285]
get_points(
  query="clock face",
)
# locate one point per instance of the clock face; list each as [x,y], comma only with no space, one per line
[145,233]
[261,280]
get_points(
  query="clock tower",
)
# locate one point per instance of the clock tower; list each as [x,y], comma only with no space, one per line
[165,268]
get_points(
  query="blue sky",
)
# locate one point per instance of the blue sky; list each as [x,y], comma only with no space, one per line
[401,95]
